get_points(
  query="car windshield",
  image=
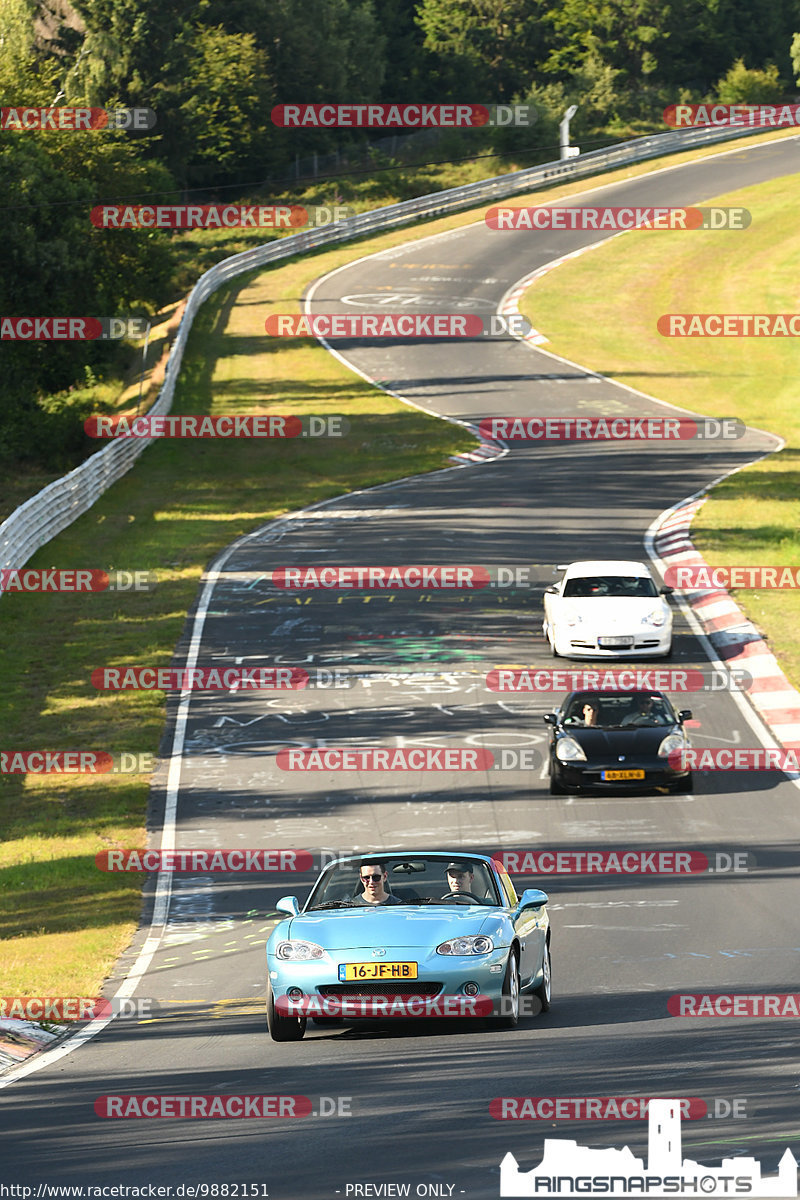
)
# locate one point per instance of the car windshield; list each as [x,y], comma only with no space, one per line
[610,585]
[618,710]
[417,880]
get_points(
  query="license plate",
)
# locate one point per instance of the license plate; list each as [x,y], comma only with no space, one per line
[622,775]
[374,970]
[608,642]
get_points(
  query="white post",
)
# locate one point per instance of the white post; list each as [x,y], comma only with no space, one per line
[567,151]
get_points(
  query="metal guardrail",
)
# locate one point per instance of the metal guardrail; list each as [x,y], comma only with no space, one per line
[56,506]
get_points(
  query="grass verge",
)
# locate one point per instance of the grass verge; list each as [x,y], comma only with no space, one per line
[601,310]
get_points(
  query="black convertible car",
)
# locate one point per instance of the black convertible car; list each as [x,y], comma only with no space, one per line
[609,741]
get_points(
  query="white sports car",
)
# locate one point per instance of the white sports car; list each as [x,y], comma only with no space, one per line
[607,609]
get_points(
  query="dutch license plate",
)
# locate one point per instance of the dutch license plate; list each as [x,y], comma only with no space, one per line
[348,972]
[622,775]
[608,642]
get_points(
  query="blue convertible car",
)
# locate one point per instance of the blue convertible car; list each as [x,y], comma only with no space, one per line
[426,930]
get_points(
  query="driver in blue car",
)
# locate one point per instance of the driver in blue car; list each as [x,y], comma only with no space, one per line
[373,880]
[460,877]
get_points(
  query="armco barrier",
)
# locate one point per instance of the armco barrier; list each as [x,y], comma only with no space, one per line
[55,507]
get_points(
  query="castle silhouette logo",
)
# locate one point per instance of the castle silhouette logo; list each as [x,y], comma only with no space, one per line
[570,1170]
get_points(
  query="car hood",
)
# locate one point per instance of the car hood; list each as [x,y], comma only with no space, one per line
[612,611]
[631,741]
[395,927]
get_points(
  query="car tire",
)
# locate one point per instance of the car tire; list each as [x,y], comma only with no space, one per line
[283,1029]
[683,786]
[510,995]
[543,992]
[555,788]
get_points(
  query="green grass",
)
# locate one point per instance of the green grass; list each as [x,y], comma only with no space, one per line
[63,922]
[601,310]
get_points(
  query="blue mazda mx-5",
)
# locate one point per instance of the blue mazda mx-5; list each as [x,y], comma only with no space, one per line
[408,928]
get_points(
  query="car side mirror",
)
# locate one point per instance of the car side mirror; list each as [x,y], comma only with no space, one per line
[553,590]
[684,715]
[288,905]
[666,591]
[549,719]
[532,898]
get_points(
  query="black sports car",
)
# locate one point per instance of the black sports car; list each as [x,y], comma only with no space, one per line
[616,741]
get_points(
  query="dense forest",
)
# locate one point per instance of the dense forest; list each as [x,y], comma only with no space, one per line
[212,71]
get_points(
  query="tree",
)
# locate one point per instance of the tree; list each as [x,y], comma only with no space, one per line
[796,58]
[743,86]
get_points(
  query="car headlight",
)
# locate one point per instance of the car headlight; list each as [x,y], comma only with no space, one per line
[656,617]
[568,750]
[298,951]
[475,944]
[671,743]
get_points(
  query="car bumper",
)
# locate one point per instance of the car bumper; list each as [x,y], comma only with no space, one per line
[574,642]
[589,776]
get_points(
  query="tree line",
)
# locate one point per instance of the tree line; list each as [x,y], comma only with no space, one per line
[212,71]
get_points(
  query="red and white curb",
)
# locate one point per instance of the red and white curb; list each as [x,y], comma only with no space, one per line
[486,451]
[735,639]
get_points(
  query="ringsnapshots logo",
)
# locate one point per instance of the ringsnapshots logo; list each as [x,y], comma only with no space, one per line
[71,329]
[442,326]
[242,426]
[77,120]
[626,679]
[568,1170]
[751,116]
[729,325]
[612,429]
[218,216]
[72,580]
[547,217]
[402,116]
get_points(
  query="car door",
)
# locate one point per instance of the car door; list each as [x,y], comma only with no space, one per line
[529,928]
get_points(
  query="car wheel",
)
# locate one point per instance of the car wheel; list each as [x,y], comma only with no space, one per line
[683,786]
[544,990]
[556,788]
[509,1003]
[282,1029]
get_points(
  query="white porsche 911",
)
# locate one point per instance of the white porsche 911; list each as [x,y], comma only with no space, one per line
[607,609]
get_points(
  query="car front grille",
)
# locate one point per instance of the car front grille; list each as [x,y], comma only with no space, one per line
[381,987]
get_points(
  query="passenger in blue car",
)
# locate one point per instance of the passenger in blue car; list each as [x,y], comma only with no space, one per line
[373,880]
